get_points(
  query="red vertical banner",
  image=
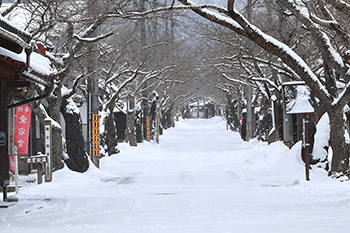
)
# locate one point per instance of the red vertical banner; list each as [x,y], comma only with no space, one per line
[22,126]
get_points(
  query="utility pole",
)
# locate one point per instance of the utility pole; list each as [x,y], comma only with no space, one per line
[249,89]
[145,108]
[92,84]
[156,130]
[197,108]
[131,120]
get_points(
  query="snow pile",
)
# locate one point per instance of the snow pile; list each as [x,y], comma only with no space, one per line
[290,166]
[200,178]
[322,138]
[270,155]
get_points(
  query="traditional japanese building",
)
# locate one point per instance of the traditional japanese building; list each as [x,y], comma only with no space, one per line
[19,66]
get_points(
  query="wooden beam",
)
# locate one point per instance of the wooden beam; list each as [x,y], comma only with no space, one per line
[4,158]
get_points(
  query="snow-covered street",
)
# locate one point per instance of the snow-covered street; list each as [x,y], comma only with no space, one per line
[200,178]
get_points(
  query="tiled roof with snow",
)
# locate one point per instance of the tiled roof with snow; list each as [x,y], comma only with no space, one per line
[40,69]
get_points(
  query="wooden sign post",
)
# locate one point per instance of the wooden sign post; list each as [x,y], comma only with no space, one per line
[38,160]
[297,100]
[48,150]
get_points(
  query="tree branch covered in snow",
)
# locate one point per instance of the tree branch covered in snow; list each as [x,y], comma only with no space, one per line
[76,83]
[91,40]
[121,86]
[330,55]
[136,14]
[245,83]
[149,76]
[268,43]
[340,5]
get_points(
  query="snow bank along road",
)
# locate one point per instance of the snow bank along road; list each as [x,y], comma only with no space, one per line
[200,178]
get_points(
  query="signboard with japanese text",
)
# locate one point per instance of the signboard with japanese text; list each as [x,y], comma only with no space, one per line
[35,159]
[48,152]
[22,126]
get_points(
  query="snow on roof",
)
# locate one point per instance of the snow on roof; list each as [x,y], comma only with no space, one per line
[38,63]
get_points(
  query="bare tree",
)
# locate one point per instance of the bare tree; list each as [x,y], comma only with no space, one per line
[333,104]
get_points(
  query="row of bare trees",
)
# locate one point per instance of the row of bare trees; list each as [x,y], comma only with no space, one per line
[288,40]
[133,57]
[141,50]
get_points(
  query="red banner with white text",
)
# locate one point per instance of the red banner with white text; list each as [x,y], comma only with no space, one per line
[22,126]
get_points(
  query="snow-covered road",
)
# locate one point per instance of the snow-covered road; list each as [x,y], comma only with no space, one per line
[200,178]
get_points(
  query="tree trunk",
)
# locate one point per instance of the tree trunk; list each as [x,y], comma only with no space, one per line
[138,127]
[131,121]
[157,125]
[232,113]
[197,109]
[111,133]
[340,146]
[152,117]
[78,159]
[53,109]
[278,119]
[261,130]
